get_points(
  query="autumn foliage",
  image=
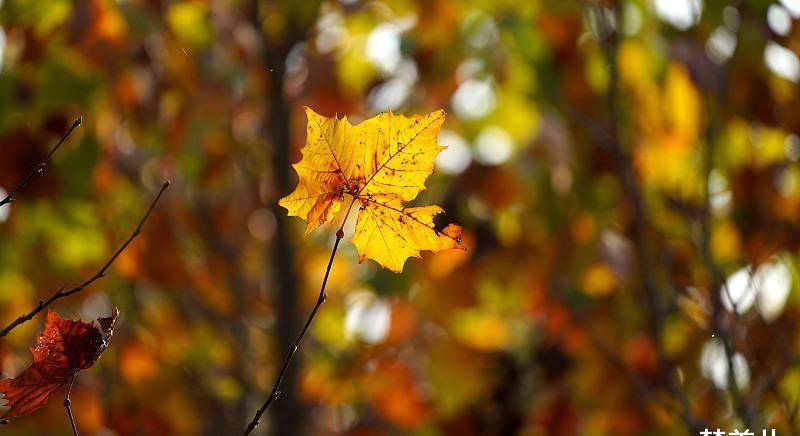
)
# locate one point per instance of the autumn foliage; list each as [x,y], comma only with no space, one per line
[622,173]
[63,348]
[382,163]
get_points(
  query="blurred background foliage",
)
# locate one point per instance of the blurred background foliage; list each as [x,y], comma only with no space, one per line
[626,172]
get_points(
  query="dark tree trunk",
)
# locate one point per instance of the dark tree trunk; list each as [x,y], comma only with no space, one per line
[287,412]
[288,415]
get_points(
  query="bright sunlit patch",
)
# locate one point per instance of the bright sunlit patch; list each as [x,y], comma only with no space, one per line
[782,61]
[716,182]
[739,291]
[368,318]
[479,29]
[383,47]
[793,6]
[393,93]
[721,44]
[474,99]
[5,209]
[633,19]
[332,33]
[779,20]
[493,146]
[721,197]
[94,303]
[681,14]
[456,157]
[296,69]
[769,287]
[714,365]
[774,281]
[721,202]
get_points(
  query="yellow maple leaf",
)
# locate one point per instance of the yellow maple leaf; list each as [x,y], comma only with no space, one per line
[382,163]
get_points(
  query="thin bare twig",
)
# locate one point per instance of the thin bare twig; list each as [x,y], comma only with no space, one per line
[63,292]
[40,167]
[68,406]
[276,389]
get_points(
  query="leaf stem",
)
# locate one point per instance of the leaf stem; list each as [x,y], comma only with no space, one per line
[68,406]
[276,389]
[41,166]
[63,292]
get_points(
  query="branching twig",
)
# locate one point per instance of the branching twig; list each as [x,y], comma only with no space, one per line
[39,168]
[63,292]
[718,285]
[276,389]
[68,406]
[641,225]
[627,178]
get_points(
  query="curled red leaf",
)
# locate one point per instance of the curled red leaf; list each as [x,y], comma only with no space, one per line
[62,349]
